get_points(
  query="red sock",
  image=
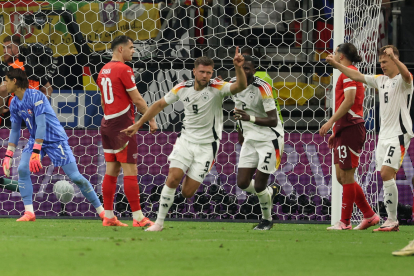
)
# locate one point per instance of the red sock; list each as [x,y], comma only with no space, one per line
[362,202]
[108,191]
[348,199]
[131,190]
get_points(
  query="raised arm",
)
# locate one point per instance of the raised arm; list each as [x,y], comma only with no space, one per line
[405,74]
[241,81]
[350,73]
[152,111]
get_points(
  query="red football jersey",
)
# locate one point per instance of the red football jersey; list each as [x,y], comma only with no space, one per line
[115,80]
[355,114]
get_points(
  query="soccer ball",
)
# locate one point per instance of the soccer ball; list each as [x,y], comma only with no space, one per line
[64,191]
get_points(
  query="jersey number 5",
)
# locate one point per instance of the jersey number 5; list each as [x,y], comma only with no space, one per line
[107,90]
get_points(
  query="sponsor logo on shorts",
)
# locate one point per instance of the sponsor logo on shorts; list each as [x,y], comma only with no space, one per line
[265,168]
[135,155]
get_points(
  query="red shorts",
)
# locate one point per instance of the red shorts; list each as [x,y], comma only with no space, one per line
[117,146]
[348,146]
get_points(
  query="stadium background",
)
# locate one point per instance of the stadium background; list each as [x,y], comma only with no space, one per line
[293,60]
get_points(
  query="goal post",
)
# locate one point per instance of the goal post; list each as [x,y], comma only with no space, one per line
[339,34]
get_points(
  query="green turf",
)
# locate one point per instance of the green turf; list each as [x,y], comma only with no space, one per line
[84,247]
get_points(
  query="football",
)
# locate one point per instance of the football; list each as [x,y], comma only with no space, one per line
[63,191]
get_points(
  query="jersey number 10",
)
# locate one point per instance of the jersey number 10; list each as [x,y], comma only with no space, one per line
[107,90]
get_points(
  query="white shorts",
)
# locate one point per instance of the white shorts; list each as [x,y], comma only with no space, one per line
[194,159]
[390,152]
[263,155]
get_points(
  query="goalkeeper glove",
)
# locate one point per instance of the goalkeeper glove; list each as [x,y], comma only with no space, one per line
[34,163]
[8,159]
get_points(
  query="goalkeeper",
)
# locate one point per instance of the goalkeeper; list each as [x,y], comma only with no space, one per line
[47,136]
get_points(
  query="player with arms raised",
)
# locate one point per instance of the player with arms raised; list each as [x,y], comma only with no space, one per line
[195,150]
[47,136]
[261,135]
[395,89]
[348,139]
[118,96]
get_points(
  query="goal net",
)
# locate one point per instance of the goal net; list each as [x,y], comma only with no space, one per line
[288,38]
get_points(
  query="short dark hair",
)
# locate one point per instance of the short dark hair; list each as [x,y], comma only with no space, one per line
[20,76]
[250,59]
[203,61]
[350,52]
[14,38]
[394,49]
[122,39]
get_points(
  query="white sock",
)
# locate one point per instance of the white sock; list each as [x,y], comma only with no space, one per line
[138,215]
[265,200]
[250,189]
[100,209]
[167,199]
[391,199]
[29,208]
[109,214]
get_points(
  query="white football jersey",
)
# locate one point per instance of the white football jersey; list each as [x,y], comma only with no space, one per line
[203,121]
[256,100]
[395,100]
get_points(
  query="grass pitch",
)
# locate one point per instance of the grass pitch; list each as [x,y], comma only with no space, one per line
[84,247]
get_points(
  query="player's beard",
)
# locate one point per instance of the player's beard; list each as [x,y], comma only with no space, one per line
[200,83]
[250,79]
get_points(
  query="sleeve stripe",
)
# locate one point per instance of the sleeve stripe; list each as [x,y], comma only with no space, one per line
[130,89]
[347,80]
[265,86]
[349,88]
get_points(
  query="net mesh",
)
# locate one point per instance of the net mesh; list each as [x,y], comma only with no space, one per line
[288,38]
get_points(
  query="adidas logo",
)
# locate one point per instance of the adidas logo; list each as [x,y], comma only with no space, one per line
[187,100]
[164,205]
[388,161]
[388,201]
[264,208]
[265,168]
[166,198]
[201,175]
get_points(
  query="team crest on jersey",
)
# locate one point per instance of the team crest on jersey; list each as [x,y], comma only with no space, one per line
[29,112]
[205,96]
[251,95]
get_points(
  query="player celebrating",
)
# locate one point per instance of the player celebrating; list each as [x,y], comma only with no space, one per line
[119,92]
[261,135]
[348,139]
[395,92]
[47,136]
[195,150]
